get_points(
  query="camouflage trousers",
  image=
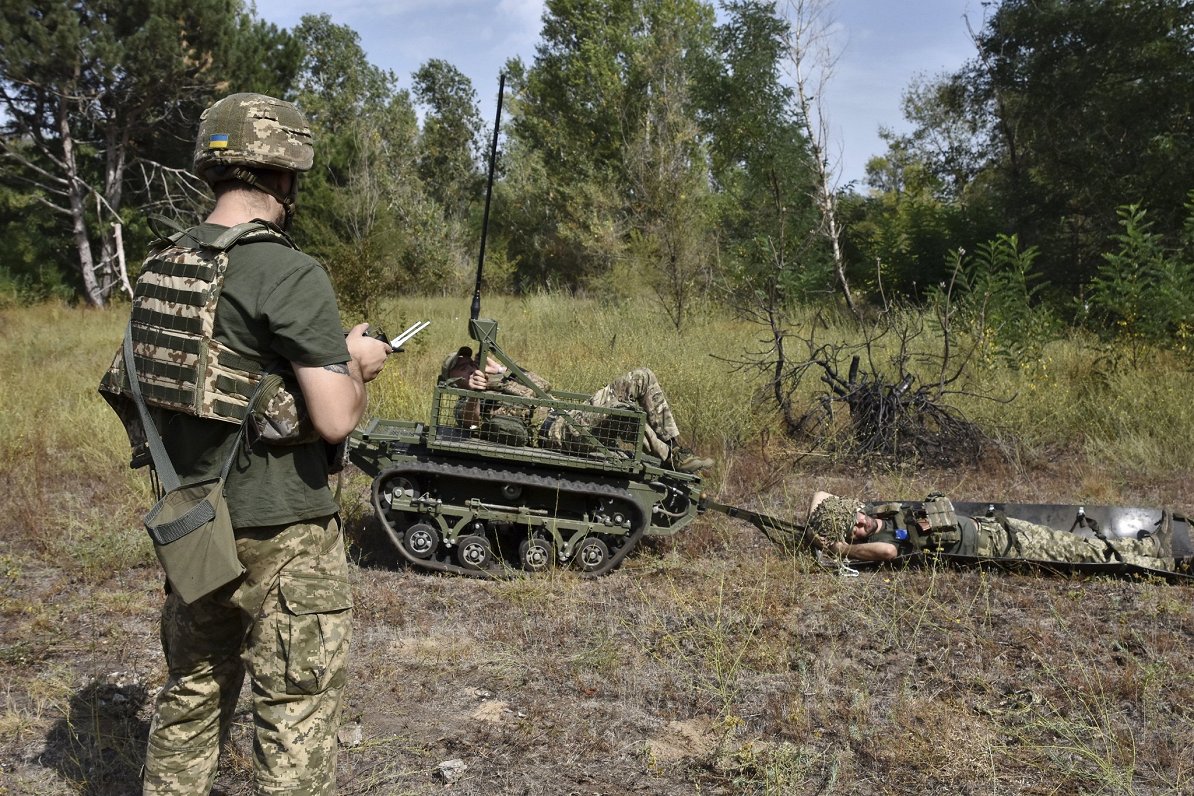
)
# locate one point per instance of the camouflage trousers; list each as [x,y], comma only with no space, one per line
[287,622]
[1042,543]
[639,390]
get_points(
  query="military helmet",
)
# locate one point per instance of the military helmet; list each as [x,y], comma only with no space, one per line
[833,518]
[251,130]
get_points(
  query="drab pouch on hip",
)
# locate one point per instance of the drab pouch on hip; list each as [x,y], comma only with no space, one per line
[282,418]
[192,536]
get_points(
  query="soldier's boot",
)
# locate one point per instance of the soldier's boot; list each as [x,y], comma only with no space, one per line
[683,460]
[1163,536]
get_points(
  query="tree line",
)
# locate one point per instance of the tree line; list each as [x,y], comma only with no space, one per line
[662,146]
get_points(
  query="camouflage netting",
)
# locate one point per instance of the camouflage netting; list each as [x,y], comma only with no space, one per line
[833,518]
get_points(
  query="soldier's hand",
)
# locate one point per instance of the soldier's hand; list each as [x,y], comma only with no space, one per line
[367,352]
[477,380]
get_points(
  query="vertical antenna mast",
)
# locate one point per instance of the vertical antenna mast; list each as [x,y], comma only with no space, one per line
[497,126]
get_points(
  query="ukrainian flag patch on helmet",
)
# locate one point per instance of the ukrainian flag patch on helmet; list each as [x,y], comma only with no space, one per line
[218,141]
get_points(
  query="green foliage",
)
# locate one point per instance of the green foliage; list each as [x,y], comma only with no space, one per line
[575,109]
[1066,111]
[998,300]
[1086,105]
[901,236]
[557,233]
[944,152]
[647,149]
[450,145]
[665,162]
[578,102]
[364,211]
[100,103]
[32,269]
[652,146]
[900,241]
[1140,295]
[646,138]
[760,163]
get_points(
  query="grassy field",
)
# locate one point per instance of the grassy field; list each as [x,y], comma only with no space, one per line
[711,664]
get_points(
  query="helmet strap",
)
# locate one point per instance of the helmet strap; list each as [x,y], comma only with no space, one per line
[287,200]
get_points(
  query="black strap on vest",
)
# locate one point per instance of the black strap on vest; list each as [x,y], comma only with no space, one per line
[1109,551]
[156,223]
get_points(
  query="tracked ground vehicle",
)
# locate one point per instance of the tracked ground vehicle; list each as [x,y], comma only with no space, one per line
[488,501]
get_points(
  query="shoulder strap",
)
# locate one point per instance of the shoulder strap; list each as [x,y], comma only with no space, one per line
[162,238]
[247,232]
[251,231]
[161,460]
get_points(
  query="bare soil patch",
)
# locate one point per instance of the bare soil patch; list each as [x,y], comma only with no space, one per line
[710,663]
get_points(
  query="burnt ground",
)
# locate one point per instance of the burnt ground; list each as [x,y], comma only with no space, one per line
[711,663]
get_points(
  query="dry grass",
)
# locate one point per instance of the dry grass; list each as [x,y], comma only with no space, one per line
[708,664]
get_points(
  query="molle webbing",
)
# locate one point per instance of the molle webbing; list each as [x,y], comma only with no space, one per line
[181,366]
[947,532]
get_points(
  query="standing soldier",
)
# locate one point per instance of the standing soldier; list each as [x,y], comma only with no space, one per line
[286,620]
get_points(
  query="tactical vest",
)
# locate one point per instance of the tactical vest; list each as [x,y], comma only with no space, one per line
[180,364]
[961,538]
[946,533]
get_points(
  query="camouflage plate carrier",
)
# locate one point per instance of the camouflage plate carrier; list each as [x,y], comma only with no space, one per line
[180,364]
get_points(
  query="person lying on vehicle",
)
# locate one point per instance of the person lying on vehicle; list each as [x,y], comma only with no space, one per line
[841,526]
[638,389]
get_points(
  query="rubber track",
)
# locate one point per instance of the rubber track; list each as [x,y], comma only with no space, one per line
[418,468]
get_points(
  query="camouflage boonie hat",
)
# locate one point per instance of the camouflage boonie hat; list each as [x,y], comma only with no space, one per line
[452,360]
[833,518]
[252,130]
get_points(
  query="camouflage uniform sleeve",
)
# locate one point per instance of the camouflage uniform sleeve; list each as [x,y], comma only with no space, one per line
[511,386]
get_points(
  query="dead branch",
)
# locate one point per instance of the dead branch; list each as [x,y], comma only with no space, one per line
[878,408]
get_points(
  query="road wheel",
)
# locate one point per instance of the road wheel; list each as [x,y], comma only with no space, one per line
[592,554]
[536,554]
[474,552]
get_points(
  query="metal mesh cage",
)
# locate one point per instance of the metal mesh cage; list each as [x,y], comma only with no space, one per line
[536,428]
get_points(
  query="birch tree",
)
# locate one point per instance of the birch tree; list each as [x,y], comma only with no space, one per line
[91,92]
[812,57]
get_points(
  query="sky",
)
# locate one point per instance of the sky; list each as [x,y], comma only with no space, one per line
[881,45]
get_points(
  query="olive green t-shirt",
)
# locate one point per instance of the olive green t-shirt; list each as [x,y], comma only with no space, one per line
[277,304]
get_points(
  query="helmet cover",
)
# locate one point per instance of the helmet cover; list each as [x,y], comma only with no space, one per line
[833,518]
[252,130]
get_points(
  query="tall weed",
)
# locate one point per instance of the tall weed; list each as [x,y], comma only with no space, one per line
[997,299]
[1140,295]
[60,445]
